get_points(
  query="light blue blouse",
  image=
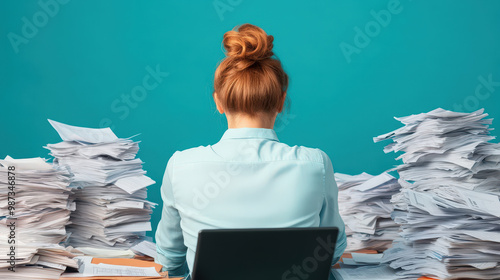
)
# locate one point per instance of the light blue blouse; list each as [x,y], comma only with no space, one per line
[247,180]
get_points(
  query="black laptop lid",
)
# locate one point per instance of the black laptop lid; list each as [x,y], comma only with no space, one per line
[271,253]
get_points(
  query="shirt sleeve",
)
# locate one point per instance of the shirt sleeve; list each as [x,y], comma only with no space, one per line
[171,251]
[329,215]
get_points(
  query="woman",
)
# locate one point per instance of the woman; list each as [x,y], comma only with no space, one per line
[248,179]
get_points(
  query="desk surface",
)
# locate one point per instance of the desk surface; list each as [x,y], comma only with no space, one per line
[164,275]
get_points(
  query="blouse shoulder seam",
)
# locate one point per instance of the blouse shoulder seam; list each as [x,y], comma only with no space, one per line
[172,178]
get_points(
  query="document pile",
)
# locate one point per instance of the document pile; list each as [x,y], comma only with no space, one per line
[449,208]
[363,267]
[378,272]
[138,269]
[112,210]
[35,208]
[365,207]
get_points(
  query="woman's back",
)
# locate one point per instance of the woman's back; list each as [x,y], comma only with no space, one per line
[249,180]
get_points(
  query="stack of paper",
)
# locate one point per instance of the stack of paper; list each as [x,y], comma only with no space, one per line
[35,208]
[365,207]
[359,266]
[371,272]
[138,269]
[360,259]
[449,207]
[145,248]
[112,210]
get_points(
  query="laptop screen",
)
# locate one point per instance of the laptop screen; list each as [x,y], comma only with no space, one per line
[271,253]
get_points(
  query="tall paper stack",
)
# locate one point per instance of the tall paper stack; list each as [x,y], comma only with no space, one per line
[449,207]
[365,207]
[35,209]
[112,210]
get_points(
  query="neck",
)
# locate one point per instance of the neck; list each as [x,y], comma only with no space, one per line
[259,120]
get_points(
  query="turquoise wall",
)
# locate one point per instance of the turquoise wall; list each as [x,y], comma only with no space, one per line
[77,62]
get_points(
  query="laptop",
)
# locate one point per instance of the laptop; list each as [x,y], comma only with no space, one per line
[267,253]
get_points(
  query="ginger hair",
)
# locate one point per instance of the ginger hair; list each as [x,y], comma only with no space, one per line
[250,79]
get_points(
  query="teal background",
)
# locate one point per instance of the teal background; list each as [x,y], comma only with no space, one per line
[91,52]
